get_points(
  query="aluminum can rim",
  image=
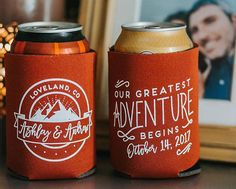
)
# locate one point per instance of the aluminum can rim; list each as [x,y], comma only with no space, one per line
[49,27]
[153,26]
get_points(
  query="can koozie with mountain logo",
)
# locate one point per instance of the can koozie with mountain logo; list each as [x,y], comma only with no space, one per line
[50,109]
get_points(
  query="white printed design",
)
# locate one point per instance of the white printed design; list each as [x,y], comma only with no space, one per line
[54,113]
[121,83]
[127,136]
[154,120]
[54,119]
[185,150]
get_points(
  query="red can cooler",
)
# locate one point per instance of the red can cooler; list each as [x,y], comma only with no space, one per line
[153,101]
[50,102]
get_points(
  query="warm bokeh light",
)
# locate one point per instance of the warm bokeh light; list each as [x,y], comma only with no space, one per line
[7,34]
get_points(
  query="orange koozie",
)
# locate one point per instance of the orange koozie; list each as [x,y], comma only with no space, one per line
[153,112]
[50,115]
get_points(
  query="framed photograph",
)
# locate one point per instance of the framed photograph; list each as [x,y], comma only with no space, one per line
[212,25]
[208,22]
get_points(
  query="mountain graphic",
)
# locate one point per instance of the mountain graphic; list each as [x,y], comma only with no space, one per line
[41,113]
[44,110]
[57,107]
[54,113]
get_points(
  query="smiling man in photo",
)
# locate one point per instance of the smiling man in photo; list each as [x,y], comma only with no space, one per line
[212,27]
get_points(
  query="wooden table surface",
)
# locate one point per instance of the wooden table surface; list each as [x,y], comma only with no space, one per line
[213,176]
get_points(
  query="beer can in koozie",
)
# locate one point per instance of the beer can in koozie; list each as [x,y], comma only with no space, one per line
[153,101]
[149,38]
[50,102]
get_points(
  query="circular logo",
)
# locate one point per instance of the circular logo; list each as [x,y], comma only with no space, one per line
[54,119]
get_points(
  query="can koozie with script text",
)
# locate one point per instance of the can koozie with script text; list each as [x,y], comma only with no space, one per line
[50,115]
[153,110]
[50,102]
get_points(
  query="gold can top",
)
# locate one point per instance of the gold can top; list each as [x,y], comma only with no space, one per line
[152,37]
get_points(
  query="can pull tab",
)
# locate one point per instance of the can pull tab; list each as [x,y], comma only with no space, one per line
[153,27]
[42,28]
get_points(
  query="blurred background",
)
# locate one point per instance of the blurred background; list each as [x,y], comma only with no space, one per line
[35,10]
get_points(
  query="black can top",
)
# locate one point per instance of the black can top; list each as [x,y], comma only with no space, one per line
[49,32]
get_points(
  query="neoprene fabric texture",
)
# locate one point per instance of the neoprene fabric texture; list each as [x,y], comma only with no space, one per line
[50,115]
[153,102]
